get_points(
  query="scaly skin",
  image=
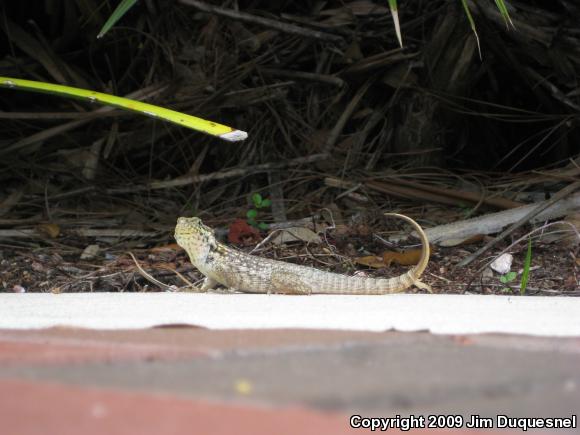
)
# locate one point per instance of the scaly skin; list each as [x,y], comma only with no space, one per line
[239,271]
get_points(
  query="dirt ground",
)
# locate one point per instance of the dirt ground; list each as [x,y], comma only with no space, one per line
[58,267]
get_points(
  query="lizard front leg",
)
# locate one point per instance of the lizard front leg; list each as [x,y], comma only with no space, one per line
[209,284]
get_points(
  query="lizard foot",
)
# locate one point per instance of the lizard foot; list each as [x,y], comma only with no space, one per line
[208,284]
[423,286]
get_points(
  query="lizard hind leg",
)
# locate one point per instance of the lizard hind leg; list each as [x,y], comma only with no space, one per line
[288,283]
[422,286]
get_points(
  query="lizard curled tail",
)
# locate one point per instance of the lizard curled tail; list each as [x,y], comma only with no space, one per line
[239,271]
[415,273]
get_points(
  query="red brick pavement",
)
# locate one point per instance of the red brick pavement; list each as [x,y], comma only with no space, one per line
[50,407]
[39,408]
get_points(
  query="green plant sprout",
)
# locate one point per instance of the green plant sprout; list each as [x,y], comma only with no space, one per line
[506,279]
[252,213]
[511,276]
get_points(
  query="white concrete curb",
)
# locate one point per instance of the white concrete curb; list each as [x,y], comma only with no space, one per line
[440,314]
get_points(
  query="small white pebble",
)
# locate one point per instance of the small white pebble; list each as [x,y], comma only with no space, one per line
[503,263]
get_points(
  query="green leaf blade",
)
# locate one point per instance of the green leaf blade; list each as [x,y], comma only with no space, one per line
[504,12]
[472,24]
[209,127]
[395,14]
[117,14]
[526,273]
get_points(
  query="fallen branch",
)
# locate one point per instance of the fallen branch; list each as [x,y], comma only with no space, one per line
[29,233]
[494,222]
[423,192]
[462,195]
[220,175]
[531,214]
[302,75]
[266,22]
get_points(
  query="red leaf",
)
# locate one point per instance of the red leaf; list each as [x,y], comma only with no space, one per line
[241,233]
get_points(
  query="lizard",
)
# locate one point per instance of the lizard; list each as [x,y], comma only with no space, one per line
[246,273]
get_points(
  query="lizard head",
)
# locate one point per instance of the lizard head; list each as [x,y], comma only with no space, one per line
[191,232]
